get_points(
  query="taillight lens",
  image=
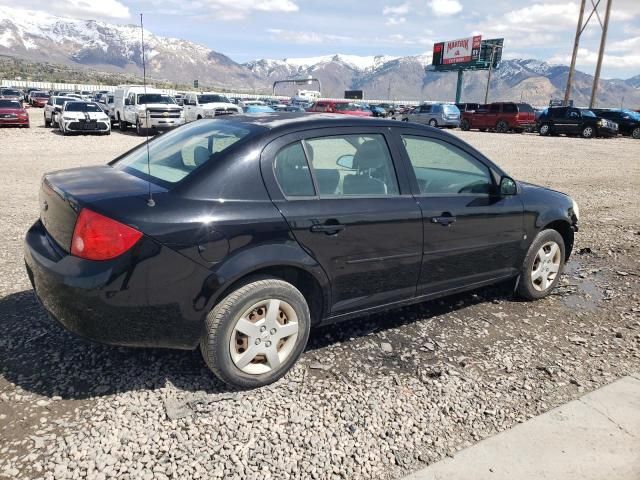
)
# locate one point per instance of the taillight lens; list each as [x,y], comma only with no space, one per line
[96,237]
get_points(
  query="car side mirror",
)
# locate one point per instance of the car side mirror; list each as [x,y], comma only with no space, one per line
[345,161]
[508,186]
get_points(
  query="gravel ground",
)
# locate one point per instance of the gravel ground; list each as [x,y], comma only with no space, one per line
[370,399]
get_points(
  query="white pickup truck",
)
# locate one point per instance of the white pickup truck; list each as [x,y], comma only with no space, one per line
[149,109]
[207,105]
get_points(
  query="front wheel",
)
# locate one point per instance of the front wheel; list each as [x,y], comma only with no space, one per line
[587,132]
[636,133]
[139,130]
[122,124]
[256,333]
[542,265]
[47,123]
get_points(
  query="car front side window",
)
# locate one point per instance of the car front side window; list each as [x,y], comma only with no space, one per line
[444,169]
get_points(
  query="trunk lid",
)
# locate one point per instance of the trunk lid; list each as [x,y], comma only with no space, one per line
[64,193]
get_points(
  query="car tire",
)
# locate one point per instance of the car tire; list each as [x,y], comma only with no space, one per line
[587,132]
[225,348]
[122,124]
[545,129]
[502,127]
[636,133]
[405,119]
[542,266]
[433,123]
[199,117]
[465,125]
[482,129]
[141,132]
[47,123]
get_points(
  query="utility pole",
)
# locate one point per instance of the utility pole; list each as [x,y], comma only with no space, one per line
[493,55]
[576,43]
[603,41]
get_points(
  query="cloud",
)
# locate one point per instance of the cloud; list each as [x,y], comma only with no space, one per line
[392,21]
[396,10]
[84,9]
[588,57]
[226,10]
[306,37]
[628,45]
[445,8]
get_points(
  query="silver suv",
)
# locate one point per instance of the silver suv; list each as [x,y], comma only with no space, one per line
[434,114]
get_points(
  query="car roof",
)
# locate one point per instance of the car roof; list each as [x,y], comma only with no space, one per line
[295,121]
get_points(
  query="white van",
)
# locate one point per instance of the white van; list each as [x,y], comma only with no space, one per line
[207,105]
[145,109]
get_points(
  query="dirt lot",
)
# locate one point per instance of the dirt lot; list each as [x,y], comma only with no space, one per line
[373,398]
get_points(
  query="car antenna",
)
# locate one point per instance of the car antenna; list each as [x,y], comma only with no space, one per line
[150,201]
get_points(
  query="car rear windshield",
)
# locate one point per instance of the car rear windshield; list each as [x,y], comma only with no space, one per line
[81,107]
[9,104]
[451,109]
[175,155]
[525,107]
[40,95]
[61,100]
[213,99]
[11,93]
[155,98]
[631,114]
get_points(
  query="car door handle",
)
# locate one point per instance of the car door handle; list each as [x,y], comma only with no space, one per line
[329,229]
[445,220]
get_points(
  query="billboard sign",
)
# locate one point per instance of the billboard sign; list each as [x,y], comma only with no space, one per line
[456,52]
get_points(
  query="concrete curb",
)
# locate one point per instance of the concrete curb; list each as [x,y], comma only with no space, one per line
[596,437]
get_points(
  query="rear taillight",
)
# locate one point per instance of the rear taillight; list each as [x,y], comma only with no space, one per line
[96,237]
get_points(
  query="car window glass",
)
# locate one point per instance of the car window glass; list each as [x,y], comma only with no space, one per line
[292,171]
[442,168]
[509,108]
[494,108]
[346,165]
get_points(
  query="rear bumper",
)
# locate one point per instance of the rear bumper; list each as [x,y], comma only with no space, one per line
[446,122]
[114,301]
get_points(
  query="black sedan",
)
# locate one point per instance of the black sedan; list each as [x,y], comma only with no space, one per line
[239,235]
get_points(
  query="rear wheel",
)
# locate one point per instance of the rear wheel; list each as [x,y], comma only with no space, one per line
[47,123]
[122,124]
[542,265]
[465,125]
[545,129]
[256,333]
[502,127]
[636,133]
[433,122]
[587,132]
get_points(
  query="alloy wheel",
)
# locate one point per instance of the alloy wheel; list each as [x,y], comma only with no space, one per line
[502,126]
[546,266]
[636,132]
[264,336]
[587,132]
[544,129]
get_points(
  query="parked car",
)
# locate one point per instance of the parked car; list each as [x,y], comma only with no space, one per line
[53,108]
[106,103]
[628,121]
[378,111]
[197,267]
[434,114]
[575,121]
[83,117]
[467,107]
[255,108]
[12,94]
[207,105]
[38,99]
[146,108]
[501,117]
[13,113]
[341,107]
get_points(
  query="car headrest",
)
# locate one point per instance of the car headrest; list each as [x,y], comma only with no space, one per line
[200,155]
[369,156]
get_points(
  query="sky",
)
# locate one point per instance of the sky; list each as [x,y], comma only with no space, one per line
[251,29]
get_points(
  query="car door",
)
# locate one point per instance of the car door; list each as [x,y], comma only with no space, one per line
[351,210]
[572,123]
[130,109]
[472,234]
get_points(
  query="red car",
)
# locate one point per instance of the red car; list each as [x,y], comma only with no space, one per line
[345,108]
[12,113]
[39,99]
[501,117]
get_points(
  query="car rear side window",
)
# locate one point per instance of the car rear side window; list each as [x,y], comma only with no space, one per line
[509,108]
[444,169]
[292,171]
[350,165]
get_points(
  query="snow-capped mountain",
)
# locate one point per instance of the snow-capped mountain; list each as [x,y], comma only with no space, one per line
[116,48]
[43,37]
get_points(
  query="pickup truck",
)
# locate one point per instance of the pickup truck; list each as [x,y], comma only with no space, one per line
[207,105]
[501,117]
